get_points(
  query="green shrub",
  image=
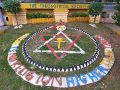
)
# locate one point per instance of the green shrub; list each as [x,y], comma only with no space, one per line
[116,17]
[44,16]
[78,14]
[50,16]
[117,7]
[39,15]
[95,9]
[28,16]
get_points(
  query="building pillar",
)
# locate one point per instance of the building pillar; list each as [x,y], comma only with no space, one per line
[97,20]
[1,18]
[9,15]
[21,18]
[61,15]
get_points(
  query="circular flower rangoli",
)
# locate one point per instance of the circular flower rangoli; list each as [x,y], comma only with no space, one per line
[63,45]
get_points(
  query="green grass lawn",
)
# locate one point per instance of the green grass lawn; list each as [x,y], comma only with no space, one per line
[10,81]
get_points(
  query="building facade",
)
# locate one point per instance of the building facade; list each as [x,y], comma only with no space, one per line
[68,1]
[59,8]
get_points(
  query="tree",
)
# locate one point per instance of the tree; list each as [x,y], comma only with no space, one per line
[12,6]
[118,1]
[95,9]
[117,15]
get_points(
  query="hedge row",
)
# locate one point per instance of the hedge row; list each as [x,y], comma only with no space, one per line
[78,14]
[39,15]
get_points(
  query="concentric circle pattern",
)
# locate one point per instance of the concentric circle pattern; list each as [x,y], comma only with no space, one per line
[79,66]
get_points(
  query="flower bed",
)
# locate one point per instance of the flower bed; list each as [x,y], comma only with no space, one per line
[53,68]
[62,82]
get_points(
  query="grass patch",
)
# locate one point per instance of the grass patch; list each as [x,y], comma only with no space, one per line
[10,81]
[70,60]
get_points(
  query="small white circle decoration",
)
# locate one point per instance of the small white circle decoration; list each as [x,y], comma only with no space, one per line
[62,82]
[61,27]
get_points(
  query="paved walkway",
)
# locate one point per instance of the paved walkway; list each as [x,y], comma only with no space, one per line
[114,28]
[2,29]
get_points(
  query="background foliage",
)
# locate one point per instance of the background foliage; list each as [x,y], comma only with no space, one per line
[117,15]
[95,9]
[39,15]
[78,14]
